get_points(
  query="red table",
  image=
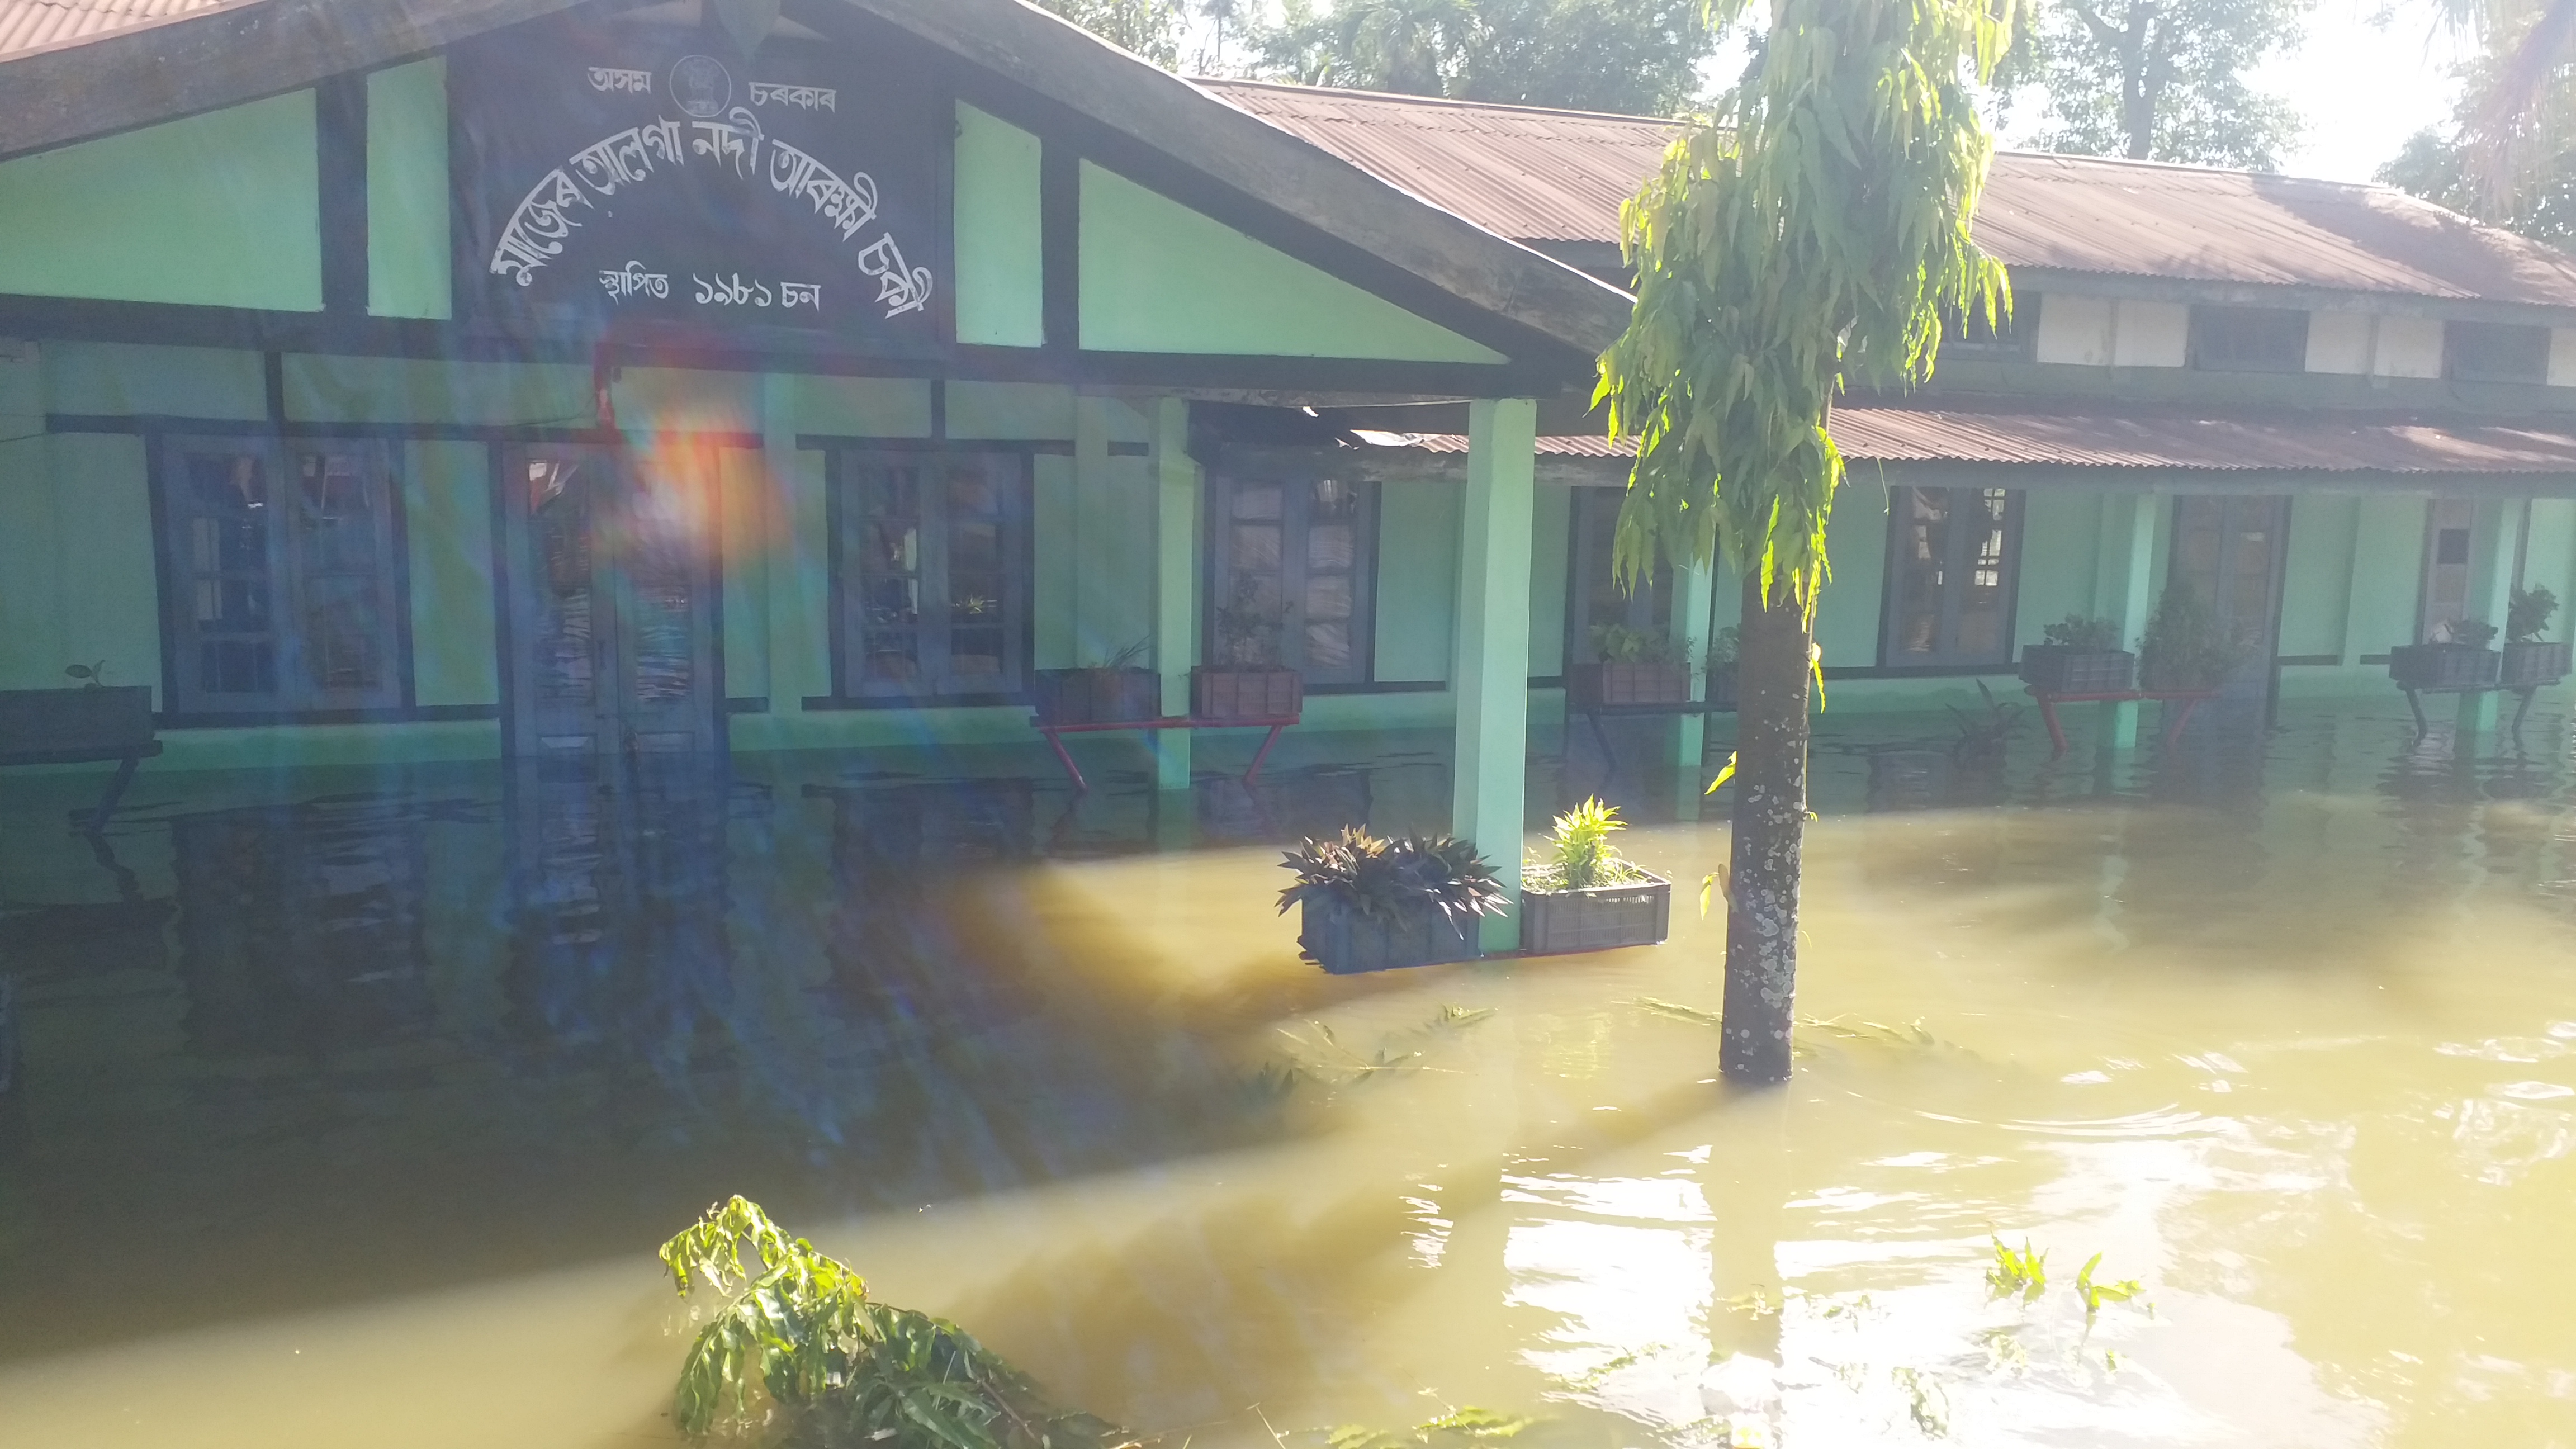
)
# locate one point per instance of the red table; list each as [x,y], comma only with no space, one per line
[2048,703]
[1168,722]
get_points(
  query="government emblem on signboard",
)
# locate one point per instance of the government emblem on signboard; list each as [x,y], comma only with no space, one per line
[612,175]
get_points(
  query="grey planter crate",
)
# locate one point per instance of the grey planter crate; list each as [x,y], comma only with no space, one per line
[1347,944]
[49,721]
[1603,918]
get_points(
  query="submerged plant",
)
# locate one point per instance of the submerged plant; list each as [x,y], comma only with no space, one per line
[838,1367]
[1458,1426]
[1322,1057]
[2529,613]
[2017,1271]
[1391,881]
[1580,855]
[2096,1294]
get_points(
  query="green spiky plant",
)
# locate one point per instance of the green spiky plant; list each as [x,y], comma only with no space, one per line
[1580,856]
[1814,225]
[2528,613]
[797,1334]
[2020,1271]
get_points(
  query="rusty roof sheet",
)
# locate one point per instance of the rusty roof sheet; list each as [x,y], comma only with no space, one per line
[1559,176]
[34,24]
[2010,433]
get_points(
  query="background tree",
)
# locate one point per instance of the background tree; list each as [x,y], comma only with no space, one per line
[2541,204]
[1638,57]
[2159,80]
[1151,28]
[1815,225]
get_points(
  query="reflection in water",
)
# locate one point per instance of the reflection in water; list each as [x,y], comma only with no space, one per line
[383,1093]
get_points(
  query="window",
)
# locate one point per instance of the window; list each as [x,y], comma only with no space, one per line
[2495,352]
[2445,593]
[2249,339]
[934,575]
[2005,339]
[1293,568]
[284,592]
[1953,553]
[1595,600]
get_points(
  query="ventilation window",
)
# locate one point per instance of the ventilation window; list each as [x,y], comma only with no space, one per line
[2249,339]
[2496,352]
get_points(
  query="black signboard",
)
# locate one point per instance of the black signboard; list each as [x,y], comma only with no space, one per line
[616,178]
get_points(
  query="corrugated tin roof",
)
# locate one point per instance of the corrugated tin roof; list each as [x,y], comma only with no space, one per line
[2036,433]
[34,24]
[1559,176]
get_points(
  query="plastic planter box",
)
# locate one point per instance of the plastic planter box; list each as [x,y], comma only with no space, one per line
[1221,692]
[38,721]
[2061,669]
[1612,685]
[1346,943]
[1097,696]
[2443,666]
[1600,919]
[2529,666]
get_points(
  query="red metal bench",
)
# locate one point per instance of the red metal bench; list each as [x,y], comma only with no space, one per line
[1054,733]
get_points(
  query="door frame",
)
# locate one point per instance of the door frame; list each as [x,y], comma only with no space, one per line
[511,541]
[2280,574]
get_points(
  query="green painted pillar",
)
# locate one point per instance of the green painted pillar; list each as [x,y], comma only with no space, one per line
[2124,589]
[2495,537]
[1490,673]
[1176,574]
[800,563]
[1692,586]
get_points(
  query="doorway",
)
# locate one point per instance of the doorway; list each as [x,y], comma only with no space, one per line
[610,597]
[2231,551]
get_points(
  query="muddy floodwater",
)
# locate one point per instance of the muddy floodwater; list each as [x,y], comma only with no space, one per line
[351,1107]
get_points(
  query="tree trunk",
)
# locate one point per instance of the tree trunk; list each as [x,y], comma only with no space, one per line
[1772,662]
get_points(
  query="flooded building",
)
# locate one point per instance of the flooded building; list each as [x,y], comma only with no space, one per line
[571,382]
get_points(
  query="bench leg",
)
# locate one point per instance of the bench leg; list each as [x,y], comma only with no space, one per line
[1253,775]
[2056,731]
[2181,717]
[125,769]
[1073,771]
[2522,709]
[2415,702]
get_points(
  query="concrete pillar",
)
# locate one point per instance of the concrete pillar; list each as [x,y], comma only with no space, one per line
[2495,537]
[1490,673]
[800,564]
[1176,575]
[1692,585]
[2124,589]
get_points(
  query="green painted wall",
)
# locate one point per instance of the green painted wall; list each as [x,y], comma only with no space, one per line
[110,603]
[663,399]
[749,535]
[407,233]
[2549,558]
[1026,411]
[2387,574]
[2060,548]
[1417,580]
[404,390]
[220,210]
[116,379]
[1847,615]
[1000,247]
[1159,277]
[1551,518]
[447,513]
[853,407]
[2316,583]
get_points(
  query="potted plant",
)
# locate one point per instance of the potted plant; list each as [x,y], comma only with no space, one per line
[2082,656]
[2455,657]
[2530,661]
[1370,904]
[90,716]
[1247,681]
[1721,668]
[1635,666]
[2184,651]
[1117,690]
[1582,895]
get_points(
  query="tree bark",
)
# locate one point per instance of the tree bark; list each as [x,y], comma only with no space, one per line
[1773,659]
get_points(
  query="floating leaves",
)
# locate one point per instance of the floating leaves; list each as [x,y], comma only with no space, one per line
[2017,1271]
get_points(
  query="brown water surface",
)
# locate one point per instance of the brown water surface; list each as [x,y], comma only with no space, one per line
[352,1107]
